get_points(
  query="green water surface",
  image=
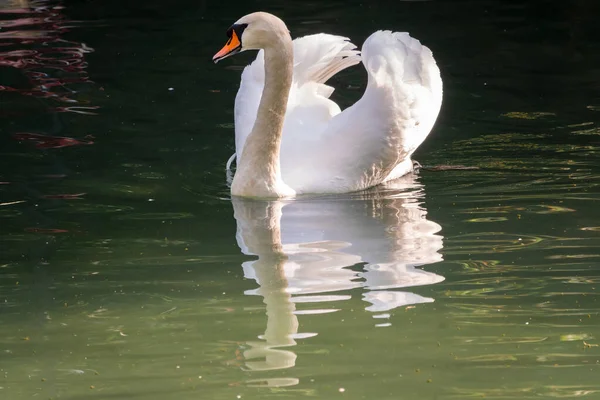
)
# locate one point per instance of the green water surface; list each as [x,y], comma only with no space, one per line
[128,272]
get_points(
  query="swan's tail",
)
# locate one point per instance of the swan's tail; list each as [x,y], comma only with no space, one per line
[321,56]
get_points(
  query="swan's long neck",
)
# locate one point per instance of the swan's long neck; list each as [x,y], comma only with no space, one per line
[258,172]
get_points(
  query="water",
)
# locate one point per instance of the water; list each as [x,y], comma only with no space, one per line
[126,271]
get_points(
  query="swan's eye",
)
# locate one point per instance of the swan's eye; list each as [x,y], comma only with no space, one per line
[239,29]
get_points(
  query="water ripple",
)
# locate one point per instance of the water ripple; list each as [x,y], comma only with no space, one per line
[54,68]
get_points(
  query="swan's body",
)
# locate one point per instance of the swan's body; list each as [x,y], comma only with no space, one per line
[292,139]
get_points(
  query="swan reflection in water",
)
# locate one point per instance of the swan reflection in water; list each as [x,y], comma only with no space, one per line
[306,246]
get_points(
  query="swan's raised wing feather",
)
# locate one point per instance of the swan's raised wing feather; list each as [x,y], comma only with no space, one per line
[318,57]
[372,141]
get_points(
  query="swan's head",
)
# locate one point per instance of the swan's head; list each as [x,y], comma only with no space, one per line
[254,31]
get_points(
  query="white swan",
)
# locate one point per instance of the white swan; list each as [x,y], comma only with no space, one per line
[290,138]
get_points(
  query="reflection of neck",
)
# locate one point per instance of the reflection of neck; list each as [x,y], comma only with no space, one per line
[281,321]
[259,230]
[259,226]
[258,172]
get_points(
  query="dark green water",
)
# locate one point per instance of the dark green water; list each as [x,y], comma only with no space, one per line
[127,272]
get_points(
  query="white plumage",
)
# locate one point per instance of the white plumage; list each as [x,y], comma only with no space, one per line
[326,150]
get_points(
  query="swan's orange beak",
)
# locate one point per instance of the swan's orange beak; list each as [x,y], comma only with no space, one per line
[232,46]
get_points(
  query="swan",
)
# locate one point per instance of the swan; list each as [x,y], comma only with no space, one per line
[291,139]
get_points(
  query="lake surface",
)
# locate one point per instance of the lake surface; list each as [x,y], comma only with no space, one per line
[128,272]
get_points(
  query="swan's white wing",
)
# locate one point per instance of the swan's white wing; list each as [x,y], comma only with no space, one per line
[316,59]
[371,141]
